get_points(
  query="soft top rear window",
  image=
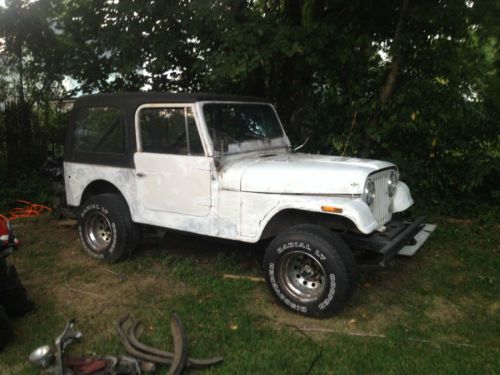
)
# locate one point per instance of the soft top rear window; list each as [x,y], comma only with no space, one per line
[99,130]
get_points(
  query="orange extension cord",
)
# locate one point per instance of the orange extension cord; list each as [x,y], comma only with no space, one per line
[29,210]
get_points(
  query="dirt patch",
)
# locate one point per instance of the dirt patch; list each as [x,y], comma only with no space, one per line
[459,221]
[359,320]
[99,303]
[494,308]
[443,311]
[93,292]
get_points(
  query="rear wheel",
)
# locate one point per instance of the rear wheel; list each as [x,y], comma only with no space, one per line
[310,270]
[106,228]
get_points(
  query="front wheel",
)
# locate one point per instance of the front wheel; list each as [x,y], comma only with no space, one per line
[310,270]
[106,228]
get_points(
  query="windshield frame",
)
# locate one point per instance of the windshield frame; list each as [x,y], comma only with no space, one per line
[261,145]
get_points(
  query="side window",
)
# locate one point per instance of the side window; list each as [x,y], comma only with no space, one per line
[169,131]
[100,129]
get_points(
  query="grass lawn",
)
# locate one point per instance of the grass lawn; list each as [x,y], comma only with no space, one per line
[438,312]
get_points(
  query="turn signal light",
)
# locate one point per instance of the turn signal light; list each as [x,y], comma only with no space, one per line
[331,209]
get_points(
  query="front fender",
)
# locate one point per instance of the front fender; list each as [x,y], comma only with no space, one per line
[354,209]
[402,198]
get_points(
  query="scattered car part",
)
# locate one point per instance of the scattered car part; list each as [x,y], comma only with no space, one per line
[109,365]
[86,365]
[42,356]
[68,336]
[180,346]
[112,362]
[137,353]
[134,334]
[148,367]
[131,363]
[129,332]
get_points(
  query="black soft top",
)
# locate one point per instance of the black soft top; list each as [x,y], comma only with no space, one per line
[128,102]
[135,99]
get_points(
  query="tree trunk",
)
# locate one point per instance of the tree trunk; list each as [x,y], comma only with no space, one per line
[12,138]
[389,86]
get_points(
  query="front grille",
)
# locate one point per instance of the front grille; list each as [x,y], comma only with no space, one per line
[381,207]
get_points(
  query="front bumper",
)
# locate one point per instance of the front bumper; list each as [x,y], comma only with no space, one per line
[399,238]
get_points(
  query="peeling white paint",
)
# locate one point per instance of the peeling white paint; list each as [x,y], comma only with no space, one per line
[235,196]
[173,183]
[402,199]
[287,173]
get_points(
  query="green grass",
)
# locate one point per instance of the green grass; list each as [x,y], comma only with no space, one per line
[437,312]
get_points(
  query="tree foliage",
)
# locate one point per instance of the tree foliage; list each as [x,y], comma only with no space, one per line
[30,54]
[415,82]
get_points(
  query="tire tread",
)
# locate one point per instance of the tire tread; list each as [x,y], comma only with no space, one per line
[342,256]
[128,237]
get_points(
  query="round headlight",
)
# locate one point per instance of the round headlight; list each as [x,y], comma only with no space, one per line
[369,193]
[392,182]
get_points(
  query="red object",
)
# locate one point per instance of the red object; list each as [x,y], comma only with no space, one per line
[4,231]
[86,365]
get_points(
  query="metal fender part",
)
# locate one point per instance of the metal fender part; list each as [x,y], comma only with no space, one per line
[180,346]
[69,335]
[129,331]
[135,333]
[133,351]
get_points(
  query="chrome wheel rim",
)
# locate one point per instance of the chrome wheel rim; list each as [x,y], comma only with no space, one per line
[302,276]
[98,232]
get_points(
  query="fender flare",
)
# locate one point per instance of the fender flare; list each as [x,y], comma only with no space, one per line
[355,210]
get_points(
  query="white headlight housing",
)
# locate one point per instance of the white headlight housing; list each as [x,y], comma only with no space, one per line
[369,192]
[392,182]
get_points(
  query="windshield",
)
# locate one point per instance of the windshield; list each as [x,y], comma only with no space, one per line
[235,127]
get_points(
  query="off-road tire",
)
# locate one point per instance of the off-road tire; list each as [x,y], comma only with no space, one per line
[106,229]
[310,270]
[344,252]
[5,328]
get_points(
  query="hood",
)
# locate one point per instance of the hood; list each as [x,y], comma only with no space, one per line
[288,173]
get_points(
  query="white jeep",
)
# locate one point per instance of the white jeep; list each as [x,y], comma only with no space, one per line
[222,166]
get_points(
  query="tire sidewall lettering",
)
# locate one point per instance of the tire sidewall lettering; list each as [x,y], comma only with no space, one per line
[320,257]
[112,247]
[94,206]
[280,294]
[331,292]
[113,244]
[294,245]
